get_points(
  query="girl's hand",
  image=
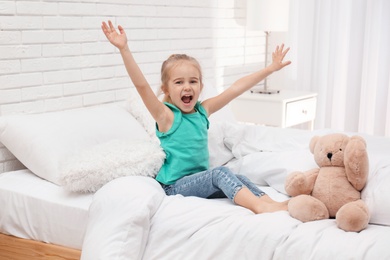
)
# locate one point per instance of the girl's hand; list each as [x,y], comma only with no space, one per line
[119,40]
[277,58]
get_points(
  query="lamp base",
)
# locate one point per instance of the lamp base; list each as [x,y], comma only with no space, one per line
[266,91]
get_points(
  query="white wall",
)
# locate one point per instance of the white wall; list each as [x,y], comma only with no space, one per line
[53,55]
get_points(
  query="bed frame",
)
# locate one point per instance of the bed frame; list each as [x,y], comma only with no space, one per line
[13,248]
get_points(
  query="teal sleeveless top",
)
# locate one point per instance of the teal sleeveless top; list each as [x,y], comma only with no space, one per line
[185,145]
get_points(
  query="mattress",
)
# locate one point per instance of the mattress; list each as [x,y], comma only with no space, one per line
[33,208]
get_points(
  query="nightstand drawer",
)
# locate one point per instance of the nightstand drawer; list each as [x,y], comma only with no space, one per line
[300,111]
[285,109]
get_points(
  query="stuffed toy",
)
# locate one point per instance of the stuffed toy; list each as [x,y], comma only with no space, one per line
[333,189]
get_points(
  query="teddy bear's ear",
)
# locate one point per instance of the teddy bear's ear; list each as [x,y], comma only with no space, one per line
[313,142]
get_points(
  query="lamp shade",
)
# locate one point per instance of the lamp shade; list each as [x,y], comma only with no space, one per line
[267,15]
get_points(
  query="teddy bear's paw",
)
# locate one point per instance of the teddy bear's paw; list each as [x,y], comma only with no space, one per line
[296,184]
[353,216]
[307,208]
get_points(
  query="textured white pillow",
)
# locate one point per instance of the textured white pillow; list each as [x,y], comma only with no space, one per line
[43,141]
[90,169]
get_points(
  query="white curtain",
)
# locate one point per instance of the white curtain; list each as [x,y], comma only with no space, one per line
[341,50]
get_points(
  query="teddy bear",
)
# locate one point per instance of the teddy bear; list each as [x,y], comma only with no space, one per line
[333,189]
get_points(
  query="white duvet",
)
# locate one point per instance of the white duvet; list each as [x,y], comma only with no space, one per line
[132,218]
[160,227]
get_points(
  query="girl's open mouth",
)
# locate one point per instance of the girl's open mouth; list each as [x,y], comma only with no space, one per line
[186,99]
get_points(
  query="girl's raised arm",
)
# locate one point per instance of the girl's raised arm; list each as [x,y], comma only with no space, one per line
[244,84]
[158,110]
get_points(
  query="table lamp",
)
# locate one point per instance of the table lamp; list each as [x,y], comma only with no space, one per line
[268,16]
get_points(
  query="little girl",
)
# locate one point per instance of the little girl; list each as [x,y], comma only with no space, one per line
[182,124]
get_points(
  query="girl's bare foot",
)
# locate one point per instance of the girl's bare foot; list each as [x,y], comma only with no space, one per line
[263,204]
[266,204]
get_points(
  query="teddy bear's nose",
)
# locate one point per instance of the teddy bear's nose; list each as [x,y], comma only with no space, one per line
[329,156]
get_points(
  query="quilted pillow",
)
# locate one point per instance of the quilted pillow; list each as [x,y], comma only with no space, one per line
[90,169]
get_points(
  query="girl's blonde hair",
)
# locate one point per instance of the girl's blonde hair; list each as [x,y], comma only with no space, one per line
[170,63]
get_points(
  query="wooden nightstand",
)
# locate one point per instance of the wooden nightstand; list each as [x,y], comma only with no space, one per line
[285,109]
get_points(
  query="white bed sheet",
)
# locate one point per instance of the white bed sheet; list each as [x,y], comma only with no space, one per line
[33,208]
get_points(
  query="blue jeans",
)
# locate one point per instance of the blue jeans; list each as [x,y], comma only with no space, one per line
[219,182]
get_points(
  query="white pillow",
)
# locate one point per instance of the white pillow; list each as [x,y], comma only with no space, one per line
[90,169]
[219,153]
[377,193]
[43,141]
[139,111]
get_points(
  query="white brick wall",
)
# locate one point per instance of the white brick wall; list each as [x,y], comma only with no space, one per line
[53,55]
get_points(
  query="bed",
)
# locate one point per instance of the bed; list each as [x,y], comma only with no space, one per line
[88,192]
